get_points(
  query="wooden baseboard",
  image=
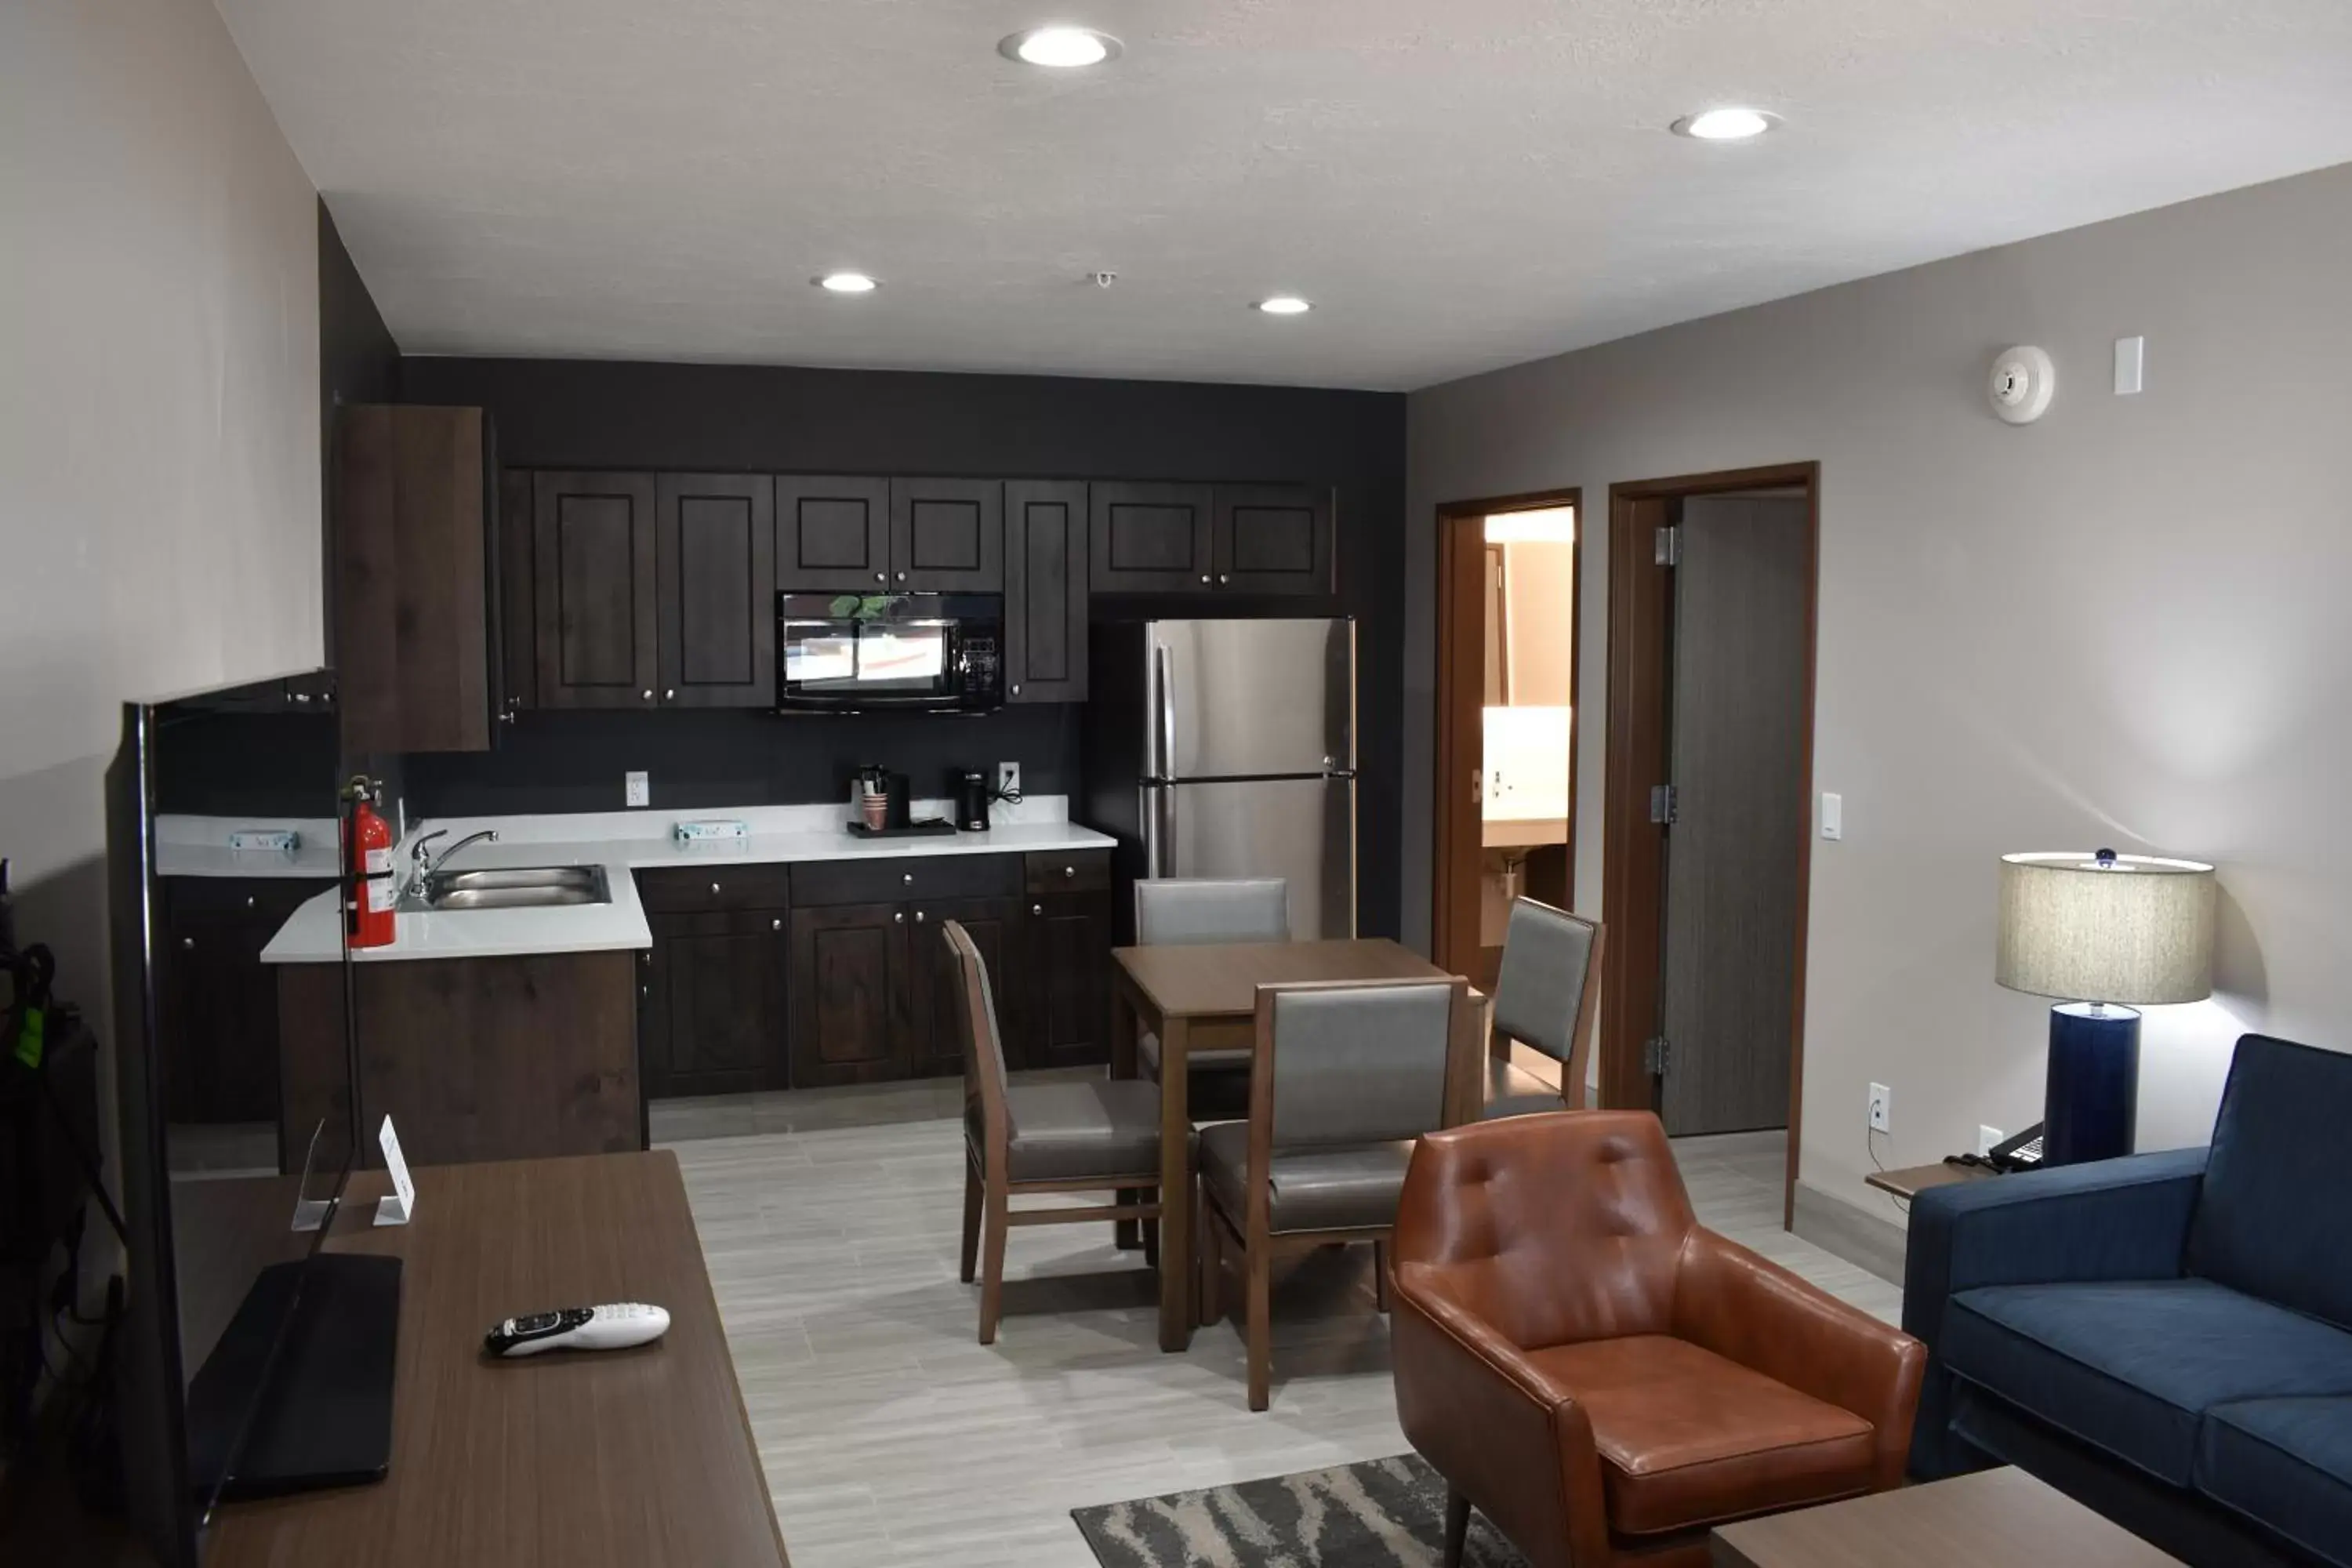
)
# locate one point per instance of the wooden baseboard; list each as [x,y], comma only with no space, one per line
[1863,1238]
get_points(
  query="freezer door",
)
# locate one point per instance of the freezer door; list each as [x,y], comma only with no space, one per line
[1300,829]
[1249,699]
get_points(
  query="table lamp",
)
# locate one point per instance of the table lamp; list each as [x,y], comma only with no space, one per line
[2124,929]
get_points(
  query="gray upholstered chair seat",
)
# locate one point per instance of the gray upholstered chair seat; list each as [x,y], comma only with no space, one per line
[1147,1045]
[1073,1132]
[1512,1091]
[1338,1188]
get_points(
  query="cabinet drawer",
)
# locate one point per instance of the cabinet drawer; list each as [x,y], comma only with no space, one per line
[264,898]
[1069,871]
[898,879]
[715,887]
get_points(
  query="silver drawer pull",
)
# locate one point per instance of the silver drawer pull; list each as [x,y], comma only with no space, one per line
[1036,909]
[899,917]
[1069,871]
[714,889]
[776,924]
[909,879]
[919,916]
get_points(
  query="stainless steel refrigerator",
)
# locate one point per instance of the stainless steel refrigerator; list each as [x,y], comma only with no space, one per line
[1228,749]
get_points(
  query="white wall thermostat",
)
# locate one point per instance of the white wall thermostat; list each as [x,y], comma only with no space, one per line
[2023,380]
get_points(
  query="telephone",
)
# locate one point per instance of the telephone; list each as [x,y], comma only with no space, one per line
[2023,1153]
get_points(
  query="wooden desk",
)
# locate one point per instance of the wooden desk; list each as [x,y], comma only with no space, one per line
[1206,997]
[609,1458]
[1912,1179]
[1992,1516]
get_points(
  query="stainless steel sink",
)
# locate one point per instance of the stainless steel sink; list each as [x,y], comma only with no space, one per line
[513,887]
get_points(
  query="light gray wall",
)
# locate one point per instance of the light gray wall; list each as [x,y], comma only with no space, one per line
[2130,623]
[159,413]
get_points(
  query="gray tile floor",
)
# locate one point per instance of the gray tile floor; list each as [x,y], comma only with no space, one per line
[892,1437]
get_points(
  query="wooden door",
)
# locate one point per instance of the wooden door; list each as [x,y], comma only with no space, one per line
[1273,539]
[593,610]
[935,1045]
[848,986]
[1740,813]
[717,568]
[1460,845]
[1045,592]
[946,536]
[715,1022]
[832,534]
[1065,980]
[1149,539]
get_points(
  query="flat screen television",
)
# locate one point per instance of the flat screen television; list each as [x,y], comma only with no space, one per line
[253,1357]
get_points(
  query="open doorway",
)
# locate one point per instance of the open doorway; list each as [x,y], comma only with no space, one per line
[1708,811]
[1508,583]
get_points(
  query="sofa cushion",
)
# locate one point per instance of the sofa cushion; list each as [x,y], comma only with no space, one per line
[2285,1464]
[1689,1438]
[2132,1366]
[2274,1216]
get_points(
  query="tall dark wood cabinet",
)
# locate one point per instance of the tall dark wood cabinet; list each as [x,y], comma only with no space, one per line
[1150,538]
[946,536]
[1063,961]
[1273,539]
[715,568]
[713,1018]
[593,541]
[848,995]
[832,534]
[220,1056]
[417,574]
[1045,540]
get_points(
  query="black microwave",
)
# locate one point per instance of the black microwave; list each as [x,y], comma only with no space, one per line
[922,653]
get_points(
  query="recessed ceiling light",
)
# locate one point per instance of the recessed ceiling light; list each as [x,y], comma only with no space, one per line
[1061,47]
[1725,124]
[1283,305]
[846,283]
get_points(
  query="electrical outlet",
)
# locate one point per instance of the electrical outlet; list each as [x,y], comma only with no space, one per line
[1008,779]
[1881,1108]
[1987,1140]
[640,788]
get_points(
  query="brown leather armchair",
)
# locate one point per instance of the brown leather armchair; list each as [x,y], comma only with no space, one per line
[1602,1377]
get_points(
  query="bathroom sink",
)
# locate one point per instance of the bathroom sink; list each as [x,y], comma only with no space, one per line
[513,887]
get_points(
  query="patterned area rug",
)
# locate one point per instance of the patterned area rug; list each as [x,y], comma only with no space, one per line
[1383,1513]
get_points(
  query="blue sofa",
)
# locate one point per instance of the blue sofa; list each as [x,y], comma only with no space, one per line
[2162,1336]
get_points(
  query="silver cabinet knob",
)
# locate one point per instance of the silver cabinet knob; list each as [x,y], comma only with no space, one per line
[1223,578]
[250,900]
[647,958]
[645,990]
[1036,909]
[919,916]
[881,577]
[714,889]
[776,924]
[188,942]
[909,879]
[507,717]
[899,917]
[1205,577]
[1016,688]
[1069,871]
[669,694]
[902,576]
[647,694]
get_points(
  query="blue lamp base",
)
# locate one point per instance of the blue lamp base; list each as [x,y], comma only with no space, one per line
[2091,1102]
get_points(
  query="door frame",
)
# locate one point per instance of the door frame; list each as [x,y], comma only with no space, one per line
[1462,675]
[1633,897]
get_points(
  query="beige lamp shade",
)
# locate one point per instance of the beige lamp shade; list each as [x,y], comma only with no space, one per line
[2106,928]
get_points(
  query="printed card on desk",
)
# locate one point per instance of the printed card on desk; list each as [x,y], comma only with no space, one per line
[400,1206]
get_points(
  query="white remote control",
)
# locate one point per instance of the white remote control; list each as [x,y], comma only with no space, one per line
[611,1328]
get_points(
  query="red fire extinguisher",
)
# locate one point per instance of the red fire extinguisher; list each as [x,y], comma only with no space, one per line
[369,888]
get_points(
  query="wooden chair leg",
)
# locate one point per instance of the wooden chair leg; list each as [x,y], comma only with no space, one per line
[1127,1235]
[1458,1526]
[1210,1241]
[1150,1230]
[1380,1275]
[1261,1325]
[971,1220]
[991,1262]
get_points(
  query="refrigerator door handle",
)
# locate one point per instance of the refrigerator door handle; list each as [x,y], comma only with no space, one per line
[1157,815]
[1164,711]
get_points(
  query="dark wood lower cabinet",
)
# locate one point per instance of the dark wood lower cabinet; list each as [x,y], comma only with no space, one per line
[935,1041]
[848,991]
[713,1019]
[1064,980]
[218,1017]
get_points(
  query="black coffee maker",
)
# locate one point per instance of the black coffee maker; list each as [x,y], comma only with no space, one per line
[971,794]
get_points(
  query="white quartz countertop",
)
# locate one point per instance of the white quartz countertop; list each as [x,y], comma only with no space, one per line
[626,842]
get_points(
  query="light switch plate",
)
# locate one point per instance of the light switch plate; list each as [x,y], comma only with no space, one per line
[1832,817]
[2131,363]
[640,788]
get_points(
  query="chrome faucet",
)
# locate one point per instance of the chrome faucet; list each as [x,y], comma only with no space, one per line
[428,863]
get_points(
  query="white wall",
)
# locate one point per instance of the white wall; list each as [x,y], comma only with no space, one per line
[159,413]
[2130,624]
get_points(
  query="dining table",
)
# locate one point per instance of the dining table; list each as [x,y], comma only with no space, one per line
[1203,996]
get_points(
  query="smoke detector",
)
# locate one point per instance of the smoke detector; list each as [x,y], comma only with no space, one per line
[2023,380]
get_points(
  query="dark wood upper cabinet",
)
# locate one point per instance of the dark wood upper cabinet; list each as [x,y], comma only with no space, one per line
[1150,538]
[832,534]
[517,594]
[1273,539]
[595,616]
[946,536]
[714,1020]
[1045,592]
[716,571]
[415,579]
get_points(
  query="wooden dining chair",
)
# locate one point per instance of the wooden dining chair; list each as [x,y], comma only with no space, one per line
[1184,910]
[1344,1077]
[1101,1134]
[1544,999]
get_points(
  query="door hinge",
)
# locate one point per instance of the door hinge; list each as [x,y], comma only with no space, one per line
[1670,546]
[1658,1054]
[1478,786]
[1662,804]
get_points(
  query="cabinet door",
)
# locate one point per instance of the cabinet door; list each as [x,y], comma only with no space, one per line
[593,608]
[832,534]
[714,1005]
[946,536]
[1274,538]
[935,1043]
[219,1002]
[1045,592]
[1065,958]
[717,568]
[1149,539]
[518,593]
[848,986]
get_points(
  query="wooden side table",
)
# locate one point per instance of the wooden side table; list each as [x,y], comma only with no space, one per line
[1910,1181]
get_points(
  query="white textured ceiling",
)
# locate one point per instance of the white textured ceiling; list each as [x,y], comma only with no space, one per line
[1456,183]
